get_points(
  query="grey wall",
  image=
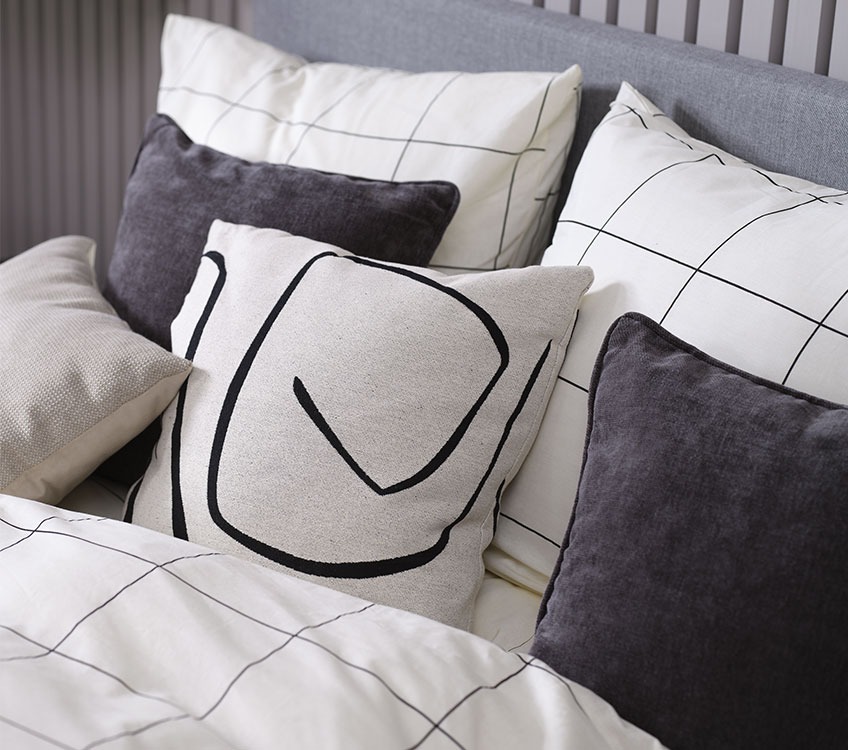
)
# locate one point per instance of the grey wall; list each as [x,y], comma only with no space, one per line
[78,79]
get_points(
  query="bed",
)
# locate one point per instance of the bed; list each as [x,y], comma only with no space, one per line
[495,365]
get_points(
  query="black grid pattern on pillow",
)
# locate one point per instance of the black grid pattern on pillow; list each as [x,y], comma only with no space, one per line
[696,282]
[425,135]
[761,292]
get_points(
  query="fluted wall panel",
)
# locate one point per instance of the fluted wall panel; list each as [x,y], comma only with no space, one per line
[78,80]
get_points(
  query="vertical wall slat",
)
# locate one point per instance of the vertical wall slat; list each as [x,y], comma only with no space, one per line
[671,19]
[594,10]
[70,176]
[151,31]
[78,80]
[243,15]
[802,34]
[111,123]
[5,208]
[839,50]
[826,38]
[133,113]
[632,14]
[52,118]
[712,24]
[734,26]
[223,11]
[678,19]
[13,174]
[755,34]
[176,6]
[564,6]
[89,90]
[31,143]
[199,8]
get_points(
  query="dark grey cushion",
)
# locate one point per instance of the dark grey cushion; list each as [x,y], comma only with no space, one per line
[177,188]
[701,584]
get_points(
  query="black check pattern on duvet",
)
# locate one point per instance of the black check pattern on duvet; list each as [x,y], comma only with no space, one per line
[115,636]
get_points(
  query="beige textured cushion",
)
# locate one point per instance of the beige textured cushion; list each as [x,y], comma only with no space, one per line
[77,383]
[351,421]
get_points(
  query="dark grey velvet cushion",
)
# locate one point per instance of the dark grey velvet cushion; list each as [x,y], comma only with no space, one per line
[177,188]
[701,586]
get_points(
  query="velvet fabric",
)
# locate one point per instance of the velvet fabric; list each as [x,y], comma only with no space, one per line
[177,188]
[700,586]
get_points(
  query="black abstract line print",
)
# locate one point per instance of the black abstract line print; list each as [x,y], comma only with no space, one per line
[178,521]
[450,445]
[358,568]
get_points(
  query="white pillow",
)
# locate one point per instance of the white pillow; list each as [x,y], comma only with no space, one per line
[77,382]
[502,138]
[748,265]
[353,421]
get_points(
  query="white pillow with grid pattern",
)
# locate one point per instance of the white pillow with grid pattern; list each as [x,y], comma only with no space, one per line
[747,265]
[502,138]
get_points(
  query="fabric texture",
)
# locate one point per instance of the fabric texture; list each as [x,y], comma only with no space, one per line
[502,138]
[149,641]
[746,264]
[77,382]
[353,421]
[178,187]
[699,585]
[783,119]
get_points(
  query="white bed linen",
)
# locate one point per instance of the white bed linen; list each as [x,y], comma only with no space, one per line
[115,636]
[504,613]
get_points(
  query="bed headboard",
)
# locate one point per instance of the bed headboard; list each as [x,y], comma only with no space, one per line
[781,119]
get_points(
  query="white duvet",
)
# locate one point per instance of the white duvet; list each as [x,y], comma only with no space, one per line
[114,636]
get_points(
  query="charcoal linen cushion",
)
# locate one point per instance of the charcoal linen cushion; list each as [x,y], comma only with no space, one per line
[700,586]
[178,187]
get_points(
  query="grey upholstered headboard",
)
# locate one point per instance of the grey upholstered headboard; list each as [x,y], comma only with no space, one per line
[781,119]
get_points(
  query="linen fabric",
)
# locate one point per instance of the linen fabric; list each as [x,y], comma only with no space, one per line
[502,138]
[77,382]
[351,421]
[699,586]
[747,264]
[178,187]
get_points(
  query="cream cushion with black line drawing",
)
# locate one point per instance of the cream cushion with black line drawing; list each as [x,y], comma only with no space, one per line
[354,421]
